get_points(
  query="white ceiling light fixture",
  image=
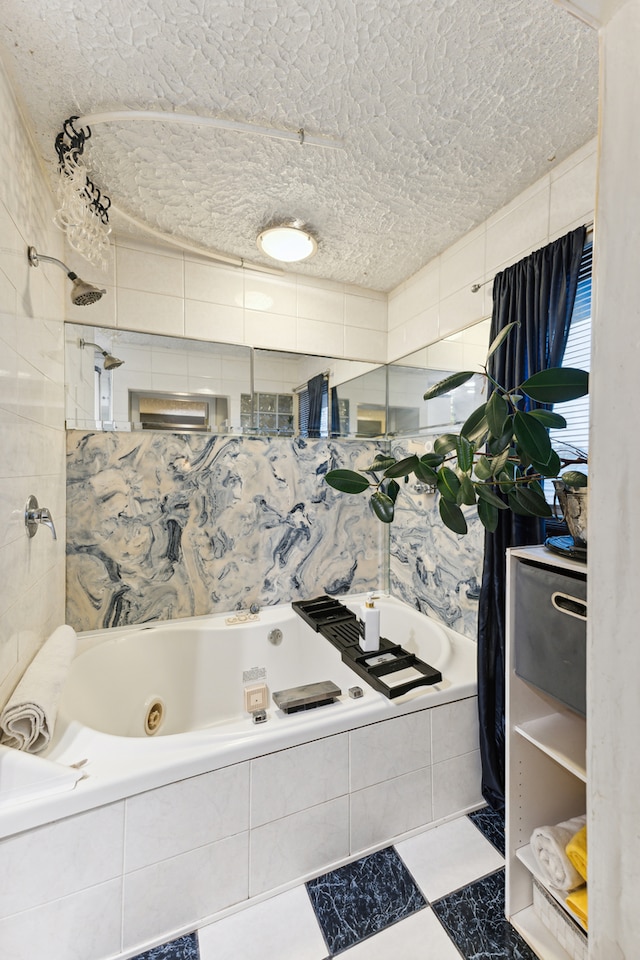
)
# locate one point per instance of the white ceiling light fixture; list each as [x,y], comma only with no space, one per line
[288,242]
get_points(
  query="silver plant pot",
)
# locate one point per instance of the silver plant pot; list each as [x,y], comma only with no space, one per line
[574,504]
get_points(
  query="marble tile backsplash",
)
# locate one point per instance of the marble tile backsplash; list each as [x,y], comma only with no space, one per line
[431,568]
[162,526]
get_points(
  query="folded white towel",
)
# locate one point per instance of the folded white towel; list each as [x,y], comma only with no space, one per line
[548,845]
[27,720]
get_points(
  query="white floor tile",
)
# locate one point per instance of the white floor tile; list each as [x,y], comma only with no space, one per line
[449,857]
[284,927]
[419,937]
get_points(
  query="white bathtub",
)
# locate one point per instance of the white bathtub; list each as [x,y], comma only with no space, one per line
[197,669]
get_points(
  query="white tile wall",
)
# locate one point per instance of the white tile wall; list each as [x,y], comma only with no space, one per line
[390,808]
[184,890]
[557,203]
[292,847]
[31,401]
[382,751]
[85,925]
[167,822]
[61,851]
[291,780]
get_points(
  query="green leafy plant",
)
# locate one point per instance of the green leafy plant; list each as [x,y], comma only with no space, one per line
[502,448]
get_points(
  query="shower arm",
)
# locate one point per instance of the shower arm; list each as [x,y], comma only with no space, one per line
[35,258]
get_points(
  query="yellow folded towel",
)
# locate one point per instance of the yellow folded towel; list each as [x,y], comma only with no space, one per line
[577,903]
[576,850]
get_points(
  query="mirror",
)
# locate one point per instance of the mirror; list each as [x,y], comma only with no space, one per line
[411,376]
[124,380]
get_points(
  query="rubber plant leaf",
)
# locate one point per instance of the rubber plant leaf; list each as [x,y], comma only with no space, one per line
[445,444]
[533,502]
[486,494]
[488,515]
[501,337]
[452,516]
[391,488]
[548,418]
[380,464]
[403,467]
[448,484]
[556,385]
[448,384]
[497,411]
[532,437]
[464,452]
[484,469]
[549,469]
[467,491]
[382,506]
[574,478]
[347,481]
[476,427]
[425,473]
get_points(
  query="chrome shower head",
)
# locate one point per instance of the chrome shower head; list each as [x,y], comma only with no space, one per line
[110,362]
[82,293]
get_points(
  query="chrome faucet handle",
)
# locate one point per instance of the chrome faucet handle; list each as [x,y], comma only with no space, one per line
[35,515]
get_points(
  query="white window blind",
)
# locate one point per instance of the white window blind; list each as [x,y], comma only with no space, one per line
[578,354]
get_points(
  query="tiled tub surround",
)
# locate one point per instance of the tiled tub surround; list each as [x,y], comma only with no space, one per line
[149,866]
[430,567]
[161,526]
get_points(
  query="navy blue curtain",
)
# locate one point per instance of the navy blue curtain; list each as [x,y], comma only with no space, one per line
[315,389]
[335,430]
[539,293]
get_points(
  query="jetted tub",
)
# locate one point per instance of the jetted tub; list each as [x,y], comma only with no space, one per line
[189,676]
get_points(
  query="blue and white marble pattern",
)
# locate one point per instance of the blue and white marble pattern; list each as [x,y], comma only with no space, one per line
[474,919]
[161,525]
[432,568]
[362,898]
[184,948]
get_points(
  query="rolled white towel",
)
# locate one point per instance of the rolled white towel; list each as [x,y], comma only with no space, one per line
[548,845]
[29,716]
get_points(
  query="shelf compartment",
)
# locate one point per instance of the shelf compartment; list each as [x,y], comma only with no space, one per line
[532,929]
[563,737]
[525,856]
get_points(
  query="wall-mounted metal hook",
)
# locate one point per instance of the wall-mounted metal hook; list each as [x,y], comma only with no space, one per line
[35,515]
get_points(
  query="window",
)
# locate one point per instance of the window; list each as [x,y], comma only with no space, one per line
[303,411]
[578,354]
[273,413]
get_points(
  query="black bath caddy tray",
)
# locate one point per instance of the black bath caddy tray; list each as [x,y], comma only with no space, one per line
[339,626]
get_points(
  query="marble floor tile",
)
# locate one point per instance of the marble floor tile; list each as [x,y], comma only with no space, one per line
[284,927]
[184,948]
[360,899]
[448,857]
[491,824]
[474,919]
[418,937]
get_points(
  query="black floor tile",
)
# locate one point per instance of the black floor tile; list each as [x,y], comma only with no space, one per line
[474,919]
[491,824]
[184,948]
[362,898]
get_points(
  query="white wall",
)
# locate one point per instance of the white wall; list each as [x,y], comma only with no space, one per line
[32,439]
[614,522]
[162,290]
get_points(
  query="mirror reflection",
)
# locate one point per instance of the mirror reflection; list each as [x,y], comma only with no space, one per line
[411,376]
[125,380]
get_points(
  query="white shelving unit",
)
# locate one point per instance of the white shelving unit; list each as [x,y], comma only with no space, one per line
[545,768]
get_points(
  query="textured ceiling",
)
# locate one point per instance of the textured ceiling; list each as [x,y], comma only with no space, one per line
[447,110]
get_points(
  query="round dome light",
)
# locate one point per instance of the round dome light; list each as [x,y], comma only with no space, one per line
[286,243]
